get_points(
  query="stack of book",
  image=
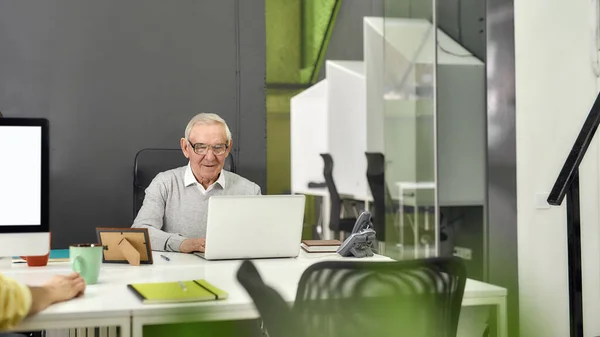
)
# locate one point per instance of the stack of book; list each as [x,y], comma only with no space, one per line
[320,246]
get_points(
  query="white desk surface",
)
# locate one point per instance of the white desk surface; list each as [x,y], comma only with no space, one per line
[316,191]
[415,185]
[323,192]
[110,298]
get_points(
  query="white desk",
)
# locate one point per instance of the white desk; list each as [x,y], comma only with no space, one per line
[323,193]
[110,303]
[411,185]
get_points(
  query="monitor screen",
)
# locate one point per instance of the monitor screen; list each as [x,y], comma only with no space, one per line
[23,175]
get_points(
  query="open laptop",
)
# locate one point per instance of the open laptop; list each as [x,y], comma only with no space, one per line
[253,226]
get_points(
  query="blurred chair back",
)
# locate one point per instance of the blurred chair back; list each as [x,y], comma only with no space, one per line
[377,185]
[150,162]
[420,298]
[417,298]
[275,313]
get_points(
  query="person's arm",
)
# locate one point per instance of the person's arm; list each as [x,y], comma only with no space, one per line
[151,216]
[15,302]
[18,301]
[59,288]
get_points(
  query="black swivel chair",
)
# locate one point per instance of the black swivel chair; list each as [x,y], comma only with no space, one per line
[377,185]
[337,223]
[420,298]
[150,162]
[382,200]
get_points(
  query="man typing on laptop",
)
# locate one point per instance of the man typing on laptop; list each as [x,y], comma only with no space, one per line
[176,202]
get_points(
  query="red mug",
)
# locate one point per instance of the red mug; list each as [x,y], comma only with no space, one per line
[38,261]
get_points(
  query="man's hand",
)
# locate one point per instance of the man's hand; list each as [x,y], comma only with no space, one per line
[58,289]
[193,245]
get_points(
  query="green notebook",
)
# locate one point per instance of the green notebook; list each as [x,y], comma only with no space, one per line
[174,292]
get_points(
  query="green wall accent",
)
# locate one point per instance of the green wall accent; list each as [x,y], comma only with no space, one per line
[315,22]
[319,18]
[296,31]
[283,40]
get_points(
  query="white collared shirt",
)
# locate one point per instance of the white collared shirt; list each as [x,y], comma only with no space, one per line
[189,179]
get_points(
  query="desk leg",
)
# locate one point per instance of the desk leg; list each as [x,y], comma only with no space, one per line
[401,212]
[416,226]
[325,211]
[426,215]
[137,328]
[501,319]
[125,330]
[500,306]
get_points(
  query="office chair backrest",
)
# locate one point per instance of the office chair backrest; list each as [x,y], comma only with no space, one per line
[229,164]
[334,196]
[406,298]
[150,162]
[377,185]
[275,313]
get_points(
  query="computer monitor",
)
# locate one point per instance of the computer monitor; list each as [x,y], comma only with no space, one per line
[24,187]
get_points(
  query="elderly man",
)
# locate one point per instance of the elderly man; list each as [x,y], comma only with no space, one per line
[176,202]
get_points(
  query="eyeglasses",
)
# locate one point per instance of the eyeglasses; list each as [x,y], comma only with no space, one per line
[202,149]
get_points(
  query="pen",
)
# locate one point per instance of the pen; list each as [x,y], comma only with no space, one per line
[183,287]
[164,257]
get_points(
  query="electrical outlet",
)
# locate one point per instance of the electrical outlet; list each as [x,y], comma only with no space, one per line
[463,253]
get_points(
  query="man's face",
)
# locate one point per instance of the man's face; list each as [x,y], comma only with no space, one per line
[206,166]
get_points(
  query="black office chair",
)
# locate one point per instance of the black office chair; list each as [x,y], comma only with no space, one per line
[150,162]
[420,298]
[337,222]
[385,207]
[379,191]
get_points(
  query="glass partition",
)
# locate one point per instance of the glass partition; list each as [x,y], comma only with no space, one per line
[400,68]
[395,100]
[461,132]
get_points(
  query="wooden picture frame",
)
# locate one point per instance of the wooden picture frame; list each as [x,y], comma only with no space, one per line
[125,245]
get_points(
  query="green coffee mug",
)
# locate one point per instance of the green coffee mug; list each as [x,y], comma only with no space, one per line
[86,259]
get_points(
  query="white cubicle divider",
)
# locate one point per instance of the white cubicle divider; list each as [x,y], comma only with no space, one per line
[330,117]
[308,136]
[347,130]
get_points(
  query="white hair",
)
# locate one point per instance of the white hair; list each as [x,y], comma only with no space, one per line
[207,118]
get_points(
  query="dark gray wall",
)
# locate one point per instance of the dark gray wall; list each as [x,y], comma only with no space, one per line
[462,20]
[502,156]
[114,77]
